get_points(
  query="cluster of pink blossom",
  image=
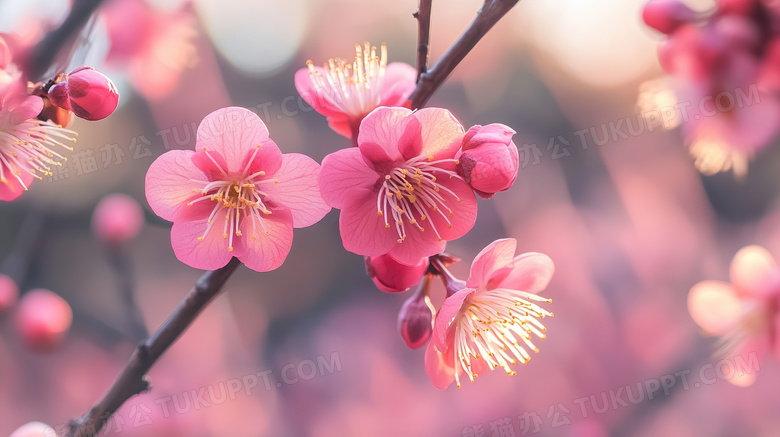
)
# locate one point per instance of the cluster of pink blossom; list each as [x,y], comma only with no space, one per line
[405,189]
[725,65]
[34,117]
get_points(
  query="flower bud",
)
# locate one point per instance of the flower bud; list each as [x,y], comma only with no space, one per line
[34,429]
[666,16]
[9,292]
[391,276]
[42,319]
[489,159]
[415,320]
[736,7]
[87,92]
[117,218]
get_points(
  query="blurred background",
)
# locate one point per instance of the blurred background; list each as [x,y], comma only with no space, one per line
[629,222]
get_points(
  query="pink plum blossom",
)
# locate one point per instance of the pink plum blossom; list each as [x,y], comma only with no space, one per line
[235,195]
[489,159]
[87,92]
[398,191]
[746,311]
[117,218]
[345,93]
[391,276]
[488,321]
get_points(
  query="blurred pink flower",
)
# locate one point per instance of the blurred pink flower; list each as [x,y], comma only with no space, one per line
[346,93]
[9,292]
[34,429]
[239,181]
[745,312]
[152,45]
[391,276]
[117,218]
[87,92]
[28,146]
[42,319]
[482,323]
[401,177]
[489,160]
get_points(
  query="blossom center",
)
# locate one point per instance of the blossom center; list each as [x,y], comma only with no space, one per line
[31,146]
[496,326]
[352,88]
[413,188]
[241,197]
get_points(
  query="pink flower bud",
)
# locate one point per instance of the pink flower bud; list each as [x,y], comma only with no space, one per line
[489,159]
[42,319]
[666,16]
[391,276]
[34,429]
[415,320]
[87,92]
[9,292]
[117,218]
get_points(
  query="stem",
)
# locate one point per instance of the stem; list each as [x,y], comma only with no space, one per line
[42,55]
[120,262]
[430,81]
[131,381]
[17,263]
[423,16]
[451,283]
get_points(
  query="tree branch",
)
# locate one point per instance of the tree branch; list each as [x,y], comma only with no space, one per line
[430,81]
[120,262]
[423,17]
[131,381]
[44,53]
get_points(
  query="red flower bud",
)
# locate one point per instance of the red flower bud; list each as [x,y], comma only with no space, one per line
[391,276]
[666,16]
[42,319]
[87,92]
[9,292]
[415,320]
[489,159]
[117,218]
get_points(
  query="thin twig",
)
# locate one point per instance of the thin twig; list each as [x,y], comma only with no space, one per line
[120,262]
[42,56]
[430,81]
[131,381]
[423,17]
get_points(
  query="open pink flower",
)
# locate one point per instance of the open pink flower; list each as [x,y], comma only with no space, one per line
[745,312]
[487,322]
[345,93]
[236,195]
[398,191]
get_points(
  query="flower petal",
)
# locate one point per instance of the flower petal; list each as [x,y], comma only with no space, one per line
[753,272]
[444,317]
[25,108]
[295,186]
[209,254]
[441,374]
[232,132]
[416,245]
[384,127]
[264,251]
[531,273]
[498,255]
[169,182]
[362,230]
[315,98]
[342,171]
[12,188]
[399,83]
[714,306]
[442,134]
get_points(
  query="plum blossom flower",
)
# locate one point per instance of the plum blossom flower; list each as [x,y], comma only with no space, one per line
[345,93]
[28,146]
[744,312]
[398,191]
[236,195]
[488,321]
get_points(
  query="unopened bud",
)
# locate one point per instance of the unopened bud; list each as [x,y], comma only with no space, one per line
[392,276]
[9,292]
[42,319]
[87,92]
[666,16]
[117,218]
[415,320]
[489,159]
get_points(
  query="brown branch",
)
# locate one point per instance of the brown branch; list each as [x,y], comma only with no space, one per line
[423,17]
[119,260]
[131,381]
[430,81]
[43,54]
